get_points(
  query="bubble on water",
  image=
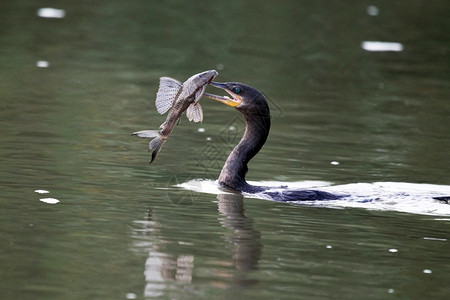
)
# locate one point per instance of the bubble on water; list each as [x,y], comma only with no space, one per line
[378,46]
[42,64]
[49,200]
[372,10]
[434,239]
[48,12]
[41,191]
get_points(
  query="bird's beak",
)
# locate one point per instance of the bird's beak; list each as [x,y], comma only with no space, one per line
[235,101]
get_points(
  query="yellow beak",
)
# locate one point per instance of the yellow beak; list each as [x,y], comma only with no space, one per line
[235,101]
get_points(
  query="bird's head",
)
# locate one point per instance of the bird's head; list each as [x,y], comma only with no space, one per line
[244,98]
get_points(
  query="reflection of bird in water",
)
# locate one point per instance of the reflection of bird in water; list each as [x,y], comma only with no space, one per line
[246,241]
[253,105]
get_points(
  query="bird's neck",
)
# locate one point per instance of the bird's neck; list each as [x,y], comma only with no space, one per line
[233,172]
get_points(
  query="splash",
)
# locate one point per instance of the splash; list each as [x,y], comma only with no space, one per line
[386,196]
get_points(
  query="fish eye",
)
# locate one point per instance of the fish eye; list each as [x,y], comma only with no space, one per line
[236,90]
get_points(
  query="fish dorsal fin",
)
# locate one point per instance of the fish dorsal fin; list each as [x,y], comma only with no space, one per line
[167,92]
[195,112]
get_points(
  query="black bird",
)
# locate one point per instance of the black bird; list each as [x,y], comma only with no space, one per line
[253,106]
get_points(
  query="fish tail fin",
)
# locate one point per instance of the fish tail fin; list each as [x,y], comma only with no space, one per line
[155,145]
[146,133]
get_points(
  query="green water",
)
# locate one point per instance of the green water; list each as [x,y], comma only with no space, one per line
[122,230]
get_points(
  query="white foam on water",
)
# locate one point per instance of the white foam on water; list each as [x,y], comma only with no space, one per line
[387,196]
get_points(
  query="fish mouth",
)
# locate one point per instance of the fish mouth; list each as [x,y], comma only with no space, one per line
[235,101]
[207,77]
[213,74]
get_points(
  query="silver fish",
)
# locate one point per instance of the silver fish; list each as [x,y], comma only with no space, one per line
[180,97]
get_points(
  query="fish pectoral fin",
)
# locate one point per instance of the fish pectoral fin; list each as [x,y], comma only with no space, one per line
[167,92]
[146,133]
[199,94]
[195,112]
[162,125]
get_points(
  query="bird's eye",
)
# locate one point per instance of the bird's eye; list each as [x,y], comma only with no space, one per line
[236,90]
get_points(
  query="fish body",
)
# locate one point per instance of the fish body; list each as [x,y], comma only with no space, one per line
[178,97]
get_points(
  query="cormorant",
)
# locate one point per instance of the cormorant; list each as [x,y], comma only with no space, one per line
[255,109]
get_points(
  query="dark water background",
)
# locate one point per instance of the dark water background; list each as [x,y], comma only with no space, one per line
[123,231]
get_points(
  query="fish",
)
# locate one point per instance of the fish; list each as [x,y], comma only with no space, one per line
[178,97]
